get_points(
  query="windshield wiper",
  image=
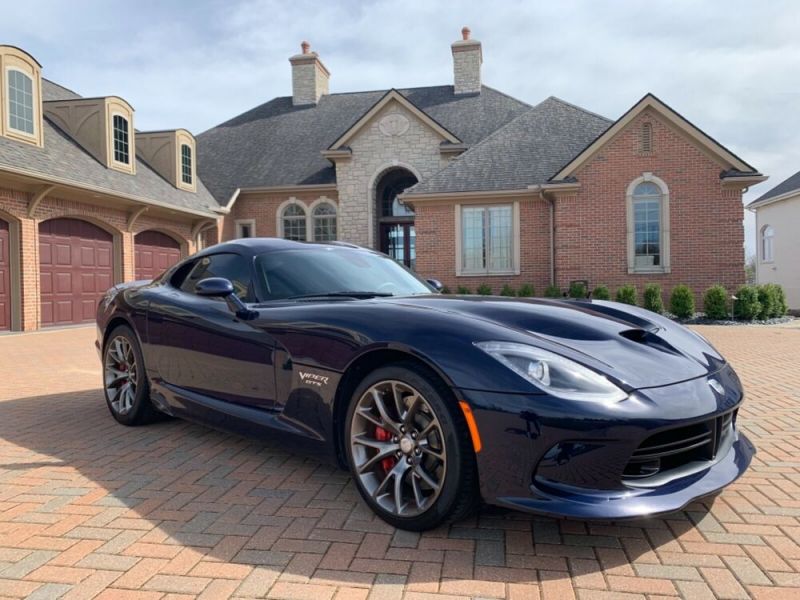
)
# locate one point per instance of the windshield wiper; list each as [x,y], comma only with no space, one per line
[343,294]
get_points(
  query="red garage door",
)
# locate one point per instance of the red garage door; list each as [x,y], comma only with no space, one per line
[155,253]
[75,267]
[5,278]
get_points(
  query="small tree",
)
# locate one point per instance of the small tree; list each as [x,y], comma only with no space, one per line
[715,302]
[767,298]
[577,289]
[552,291]
[525,290]
[508,291]
[601,293]
[484,289]
[627,294]
[746,306]
[681,302]
[463,290]
[652,298]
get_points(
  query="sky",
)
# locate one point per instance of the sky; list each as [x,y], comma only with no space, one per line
[730,67]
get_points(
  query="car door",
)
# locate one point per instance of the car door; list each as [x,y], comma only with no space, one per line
[199,345]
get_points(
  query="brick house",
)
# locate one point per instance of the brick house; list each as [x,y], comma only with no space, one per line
[460,182]
[467,185]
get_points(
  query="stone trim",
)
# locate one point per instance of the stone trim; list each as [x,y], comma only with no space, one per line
[664,231]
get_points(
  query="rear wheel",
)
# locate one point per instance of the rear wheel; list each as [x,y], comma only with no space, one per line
[409,450]
[125,384]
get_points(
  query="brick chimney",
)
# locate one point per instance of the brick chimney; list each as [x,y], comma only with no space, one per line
[467,59]
[309,77]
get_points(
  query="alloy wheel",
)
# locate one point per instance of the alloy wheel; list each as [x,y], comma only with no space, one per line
[398,448]
[119,374]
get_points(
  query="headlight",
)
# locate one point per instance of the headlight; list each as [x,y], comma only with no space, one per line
[554,374]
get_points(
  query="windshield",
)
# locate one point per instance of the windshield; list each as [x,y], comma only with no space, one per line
[331,270]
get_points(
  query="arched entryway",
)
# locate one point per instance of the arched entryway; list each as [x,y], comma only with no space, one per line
[396,235]
[5,275]
[76,266]
[154,253]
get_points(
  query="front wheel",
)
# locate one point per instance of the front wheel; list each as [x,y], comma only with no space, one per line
[125,384]
[408,449]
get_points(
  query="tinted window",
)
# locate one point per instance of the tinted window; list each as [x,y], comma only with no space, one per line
[229,266]
[327,269]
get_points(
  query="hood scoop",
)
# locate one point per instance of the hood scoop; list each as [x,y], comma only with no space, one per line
[649,337]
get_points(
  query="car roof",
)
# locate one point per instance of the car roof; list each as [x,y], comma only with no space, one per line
[253,246]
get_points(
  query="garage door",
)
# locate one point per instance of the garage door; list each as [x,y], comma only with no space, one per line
[5,278]
[76,267]
[154,254]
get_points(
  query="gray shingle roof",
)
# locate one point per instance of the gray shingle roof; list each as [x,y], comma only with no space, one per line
[280,144]
[784,187]
[529,150]
[64,158]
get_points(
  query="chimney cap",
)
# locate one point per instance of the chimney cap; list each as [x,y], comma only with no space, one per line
[305,47]
[465,31]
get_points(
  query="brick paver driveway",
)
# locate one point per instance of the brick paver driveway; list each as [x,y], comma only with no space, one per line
[88,507]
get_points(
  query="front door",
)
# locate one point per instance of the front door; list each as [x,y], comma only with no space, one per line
[398,240]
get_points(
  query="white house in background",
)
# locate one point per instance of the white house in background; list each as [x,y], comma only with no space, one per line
[778,236]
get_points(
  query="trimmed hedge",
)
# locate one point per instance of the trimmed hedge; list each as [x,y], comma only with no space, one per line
[526,290]
[627,294]
[652,298]
[463,290]
[746,306]
[577,290]
[715,302]
[445,290]
[484,289]
[781,305]
[552,291]
[681,302]
[601,293]
[768,300]
[508,291]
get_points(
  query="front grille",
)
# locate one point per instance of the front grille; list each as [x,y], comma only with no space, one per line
[677,447]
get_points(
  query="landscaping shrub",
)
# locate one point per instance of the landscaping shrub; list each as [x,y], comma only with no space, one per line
[525,290]
[715,302]
[780,307]
[508,291]
[445,290]
[484,289]
[464,291]
[681,302]
[652,298]
[627,294]
[746,306]
[577,289]
[767,299]
[552,291]
[601,293]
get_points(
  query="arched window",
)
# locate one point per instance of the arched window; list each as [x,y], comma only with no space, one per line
[186,164]
[324,218]
[20,101]
[648,225]
[767,241]
[294,223]
[121,143]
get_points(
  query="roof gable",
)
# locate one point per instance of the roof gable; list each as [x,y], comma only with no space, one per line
[785,189]
[393,96]
[650,101]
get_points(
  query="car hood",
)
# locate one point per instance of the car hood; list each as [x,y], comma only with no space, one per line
[635,347]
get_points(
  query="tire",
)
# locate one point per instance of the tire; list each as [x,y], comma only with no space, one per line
[132,407]
[439,430]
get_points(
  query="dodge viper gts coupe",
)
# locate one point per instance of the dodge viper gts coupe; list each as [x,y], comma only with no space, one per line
[583,409]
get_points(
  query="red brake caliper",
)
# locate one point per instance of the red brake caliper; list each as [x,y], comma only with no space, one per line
[384,436]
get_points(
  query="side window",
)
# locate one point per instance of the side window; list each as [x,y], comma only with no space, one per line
[229,266]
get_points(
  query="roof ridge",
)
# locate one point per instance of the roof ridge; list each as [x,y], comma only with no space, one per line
[509,96]
[580,108]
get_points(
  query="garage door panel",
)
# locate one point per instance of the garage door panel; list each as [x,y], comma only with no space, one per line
[154,253]
[75,269]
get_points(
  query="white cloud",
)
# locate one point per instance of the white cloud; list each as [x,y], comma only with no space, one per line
[728,66]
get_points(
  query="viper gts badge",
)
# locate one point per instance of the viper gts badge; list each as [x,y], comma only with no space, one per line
[313,379]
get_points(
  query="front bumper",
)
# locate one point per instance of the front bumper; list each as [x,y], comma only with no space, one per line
[577,459]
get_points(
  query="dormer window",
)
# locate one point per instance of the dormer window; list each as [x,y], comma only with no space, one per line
[186,164]
[121,142]
[20,101]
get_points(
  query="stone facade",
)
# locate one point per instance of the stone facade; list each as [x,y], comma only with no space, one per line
[393,138]
[467,60]
[309,78]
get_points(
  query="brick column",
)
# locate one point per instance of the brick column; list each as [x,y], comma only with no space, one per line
[29,279]
[127,249]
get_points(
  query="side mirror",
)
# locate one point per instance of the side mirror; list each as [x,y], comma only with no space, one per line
[436,284]
[219,287]
[214,287]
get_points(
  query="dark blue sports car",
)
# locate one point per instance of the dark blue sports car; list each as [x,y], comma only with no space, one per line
[583,409]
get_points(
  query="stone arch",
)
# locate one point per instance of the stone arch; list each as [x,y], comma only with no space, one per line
[376,178]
